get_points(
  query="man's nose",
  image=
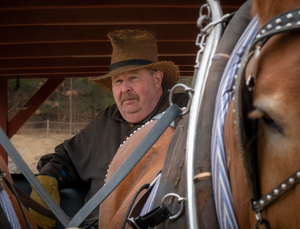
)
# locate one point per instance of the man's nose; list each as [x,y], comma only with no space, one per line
[126,86]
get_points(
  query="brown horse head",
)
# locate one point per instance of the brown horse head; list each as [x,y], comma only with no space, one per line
[275,99]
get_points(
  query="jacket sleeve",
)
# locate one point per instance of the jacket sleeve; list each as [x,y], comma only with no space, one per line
[60,166]
[81,158]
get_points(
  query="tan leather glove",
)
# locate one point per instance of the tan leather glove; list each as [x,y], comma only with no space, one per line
[51,185]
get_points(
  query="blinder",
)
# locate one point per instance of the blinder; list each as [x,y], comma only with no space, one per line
[246,129]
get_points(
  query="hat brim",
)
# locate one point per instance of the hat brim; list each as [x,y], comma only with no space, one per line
[170,70]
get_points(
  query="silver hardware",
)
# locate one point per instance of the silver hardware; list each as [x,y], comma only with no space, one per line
[278,21]
[215,23]
[203,17]
[269,26]
[289,25]
[291,180]
[251,78]
[283,186]
[269,197]
[258,36]
[154,181]
[186,90]
[298,174]
[258,216]
[262,202]
[278,27]
[180,200]
[289,16]
[200,23]
[298,23]
[276,192]
[205,31]
[133,222]
[199,85]
[263,31]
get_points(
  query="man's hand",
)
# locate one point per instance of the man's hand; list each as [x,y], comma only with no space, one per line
[51,185]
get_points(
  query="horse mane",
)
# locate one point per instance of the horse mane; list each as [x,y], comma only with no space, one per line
[268,9]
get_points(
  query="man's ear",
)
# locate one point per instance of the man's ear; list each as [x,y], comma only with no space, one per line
[158,77]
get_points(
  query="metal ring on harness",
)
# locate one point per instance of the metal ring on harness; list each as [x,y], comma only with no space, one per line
[261,221]
[180,200]
[204,17]
[186,89]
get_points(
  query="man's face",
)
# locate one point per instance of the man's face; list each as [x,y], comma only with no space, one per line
[136,93]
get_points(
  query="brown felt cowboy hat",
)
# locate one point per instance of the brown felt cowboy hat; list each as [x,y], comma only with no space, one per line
[134,49]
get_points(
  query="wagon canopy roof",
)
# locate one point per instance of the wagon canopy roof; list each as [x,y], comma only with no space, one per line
[67,39]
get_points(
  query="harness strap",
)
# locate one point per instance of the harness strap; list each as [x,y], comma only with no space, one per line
[4,223]
[139,214]
[11,188]
[18,160]
[29,202]
[162,124]
[129,211]
[151,219]
[269,198]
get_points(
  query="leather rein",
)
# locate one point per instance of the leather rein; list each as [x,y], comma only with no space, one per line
[246,129]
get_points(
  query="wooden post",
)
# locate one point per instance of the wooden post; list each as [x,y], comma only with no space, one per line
[71,113]
[32,105]
[4,112]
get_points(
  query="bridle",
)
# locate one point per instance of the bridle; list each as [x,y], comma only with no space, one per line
[246,129]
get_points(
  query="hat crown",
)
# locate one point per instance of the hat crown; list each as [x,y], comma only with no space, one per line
[135,44]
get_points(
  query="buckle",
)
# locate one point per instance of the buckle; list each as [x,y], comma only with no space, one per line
[132,223]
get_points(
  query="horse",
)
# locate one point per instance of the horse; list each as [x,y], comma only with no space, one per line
[113,210]
[276,112]
[20,221]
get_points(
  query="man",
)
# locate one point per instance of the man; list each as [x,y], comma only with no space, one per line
[139,83]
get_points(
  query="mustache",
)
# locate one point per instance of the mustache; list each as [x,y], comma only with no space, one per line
[129,96]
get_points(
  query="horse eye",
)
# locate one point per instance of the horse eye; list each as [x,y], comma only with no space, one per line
[267,119]
[271,123]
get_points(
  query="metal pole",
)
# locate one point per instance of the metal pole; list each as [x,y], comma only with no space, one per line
[210,48]
[47,126]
